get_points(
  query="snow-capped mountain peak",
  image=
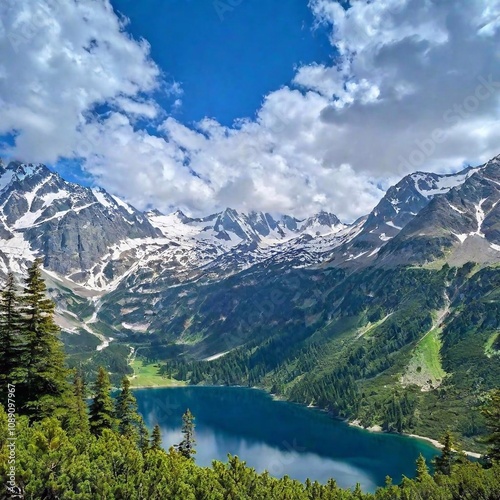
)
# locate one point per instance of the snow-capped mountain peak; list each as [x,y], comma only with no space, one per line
[94,239]
[71,225]
[321,224]
[430,185]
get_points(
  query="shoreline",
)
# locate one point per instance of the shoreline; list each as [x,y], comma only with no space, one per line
[434,442]
[156,386]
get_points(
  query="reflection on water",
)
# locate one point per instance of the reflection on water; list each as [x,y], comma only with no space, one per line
[280,437]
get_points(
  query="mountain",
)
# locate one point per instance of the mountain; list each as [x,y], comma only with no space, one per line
[230,228]
[461,226]
[389,320]
[93,243]
[93,239]
[71,226]
[400,205]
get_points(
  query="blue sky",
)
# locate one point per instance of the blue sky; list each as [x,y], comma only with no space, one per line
[197,105]
[227,58]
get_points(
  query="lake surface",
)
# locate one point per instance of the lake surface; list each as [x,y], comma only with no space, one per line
[283,438]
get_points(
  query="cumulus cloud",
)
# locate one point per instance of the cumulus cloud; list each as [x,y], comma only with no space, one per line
[414,85]
[60,59]
[435,67]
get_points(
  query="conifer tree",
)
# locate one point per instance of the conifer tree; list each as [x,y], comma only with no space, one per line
[422,469]
[11,341]
[78,415]
[44,388]
[143,435]
[491,412]
[126,411]
[102,408]
[186,447]
[156,438]
[444,461]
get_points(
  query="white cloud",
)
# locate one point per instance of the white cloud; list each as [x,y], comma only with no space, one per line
[403,70]
[58,60]
[146,109]
[422,62]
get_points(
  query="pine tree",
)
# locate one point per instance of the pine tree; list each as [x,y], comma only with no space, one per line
[102,408]
[156,438]
[186,447]
[44,389]
[491,412]
[143,436]
[126,411]
[422,469]
[444,462]
[11,341]
[78,418]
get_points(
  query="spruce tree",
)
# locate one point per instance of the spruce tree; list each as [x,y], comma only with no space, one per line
[444,461]
[44,388]
[156,438]
[186,447]
[11,341]
[126,411]
[143,442]
[101,408]
[78,418]
[491,412]
[422,469]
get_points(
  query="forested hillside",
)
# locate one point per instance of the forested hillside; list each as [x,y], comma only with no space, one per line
[412,349]
[54,445]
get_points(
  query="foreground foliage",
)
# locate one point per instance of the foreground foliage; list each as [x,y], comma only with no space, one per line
[53,463]
[68,451]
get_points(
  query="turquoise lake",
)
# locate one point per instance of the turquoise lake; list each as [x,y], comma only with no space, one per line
[283,438]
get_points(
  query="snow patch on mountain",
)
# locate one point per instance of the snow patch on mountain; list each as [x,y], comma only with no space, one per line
[102,197]
[430,185]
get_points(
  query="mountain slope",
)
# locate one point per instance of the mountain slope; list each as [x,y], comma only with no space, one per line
[400,205]
[71,226]
[366,319]
[460,226]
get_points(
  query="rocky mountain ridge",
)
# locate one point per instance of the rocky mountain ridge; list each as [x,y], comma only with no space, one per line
[95,240]
[115,270]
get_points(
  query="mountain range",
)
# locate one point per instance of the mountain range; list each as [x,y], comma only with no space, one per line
[401,303]
[95,240]
[93,243]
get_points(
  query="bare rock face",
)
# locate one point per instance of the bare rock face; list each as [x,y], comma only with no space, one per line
[462,225]
[71,226]
[403,206]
